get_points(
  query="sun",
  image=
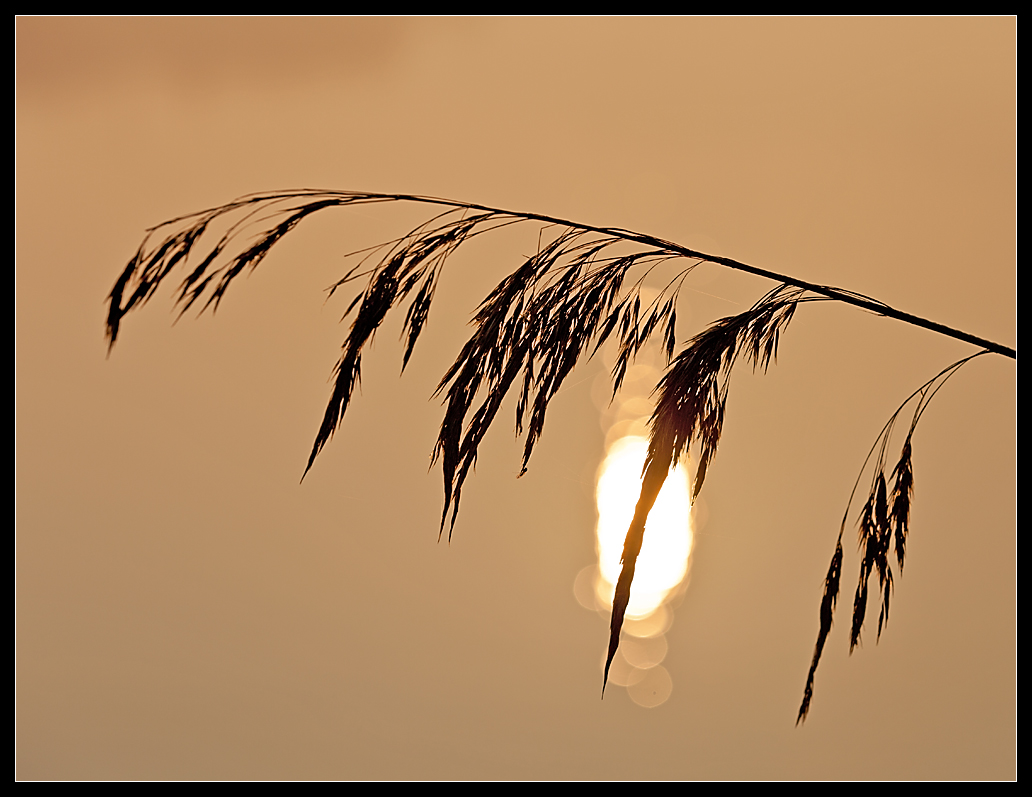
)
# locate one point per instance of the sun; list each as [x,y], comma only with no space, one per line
[663,562]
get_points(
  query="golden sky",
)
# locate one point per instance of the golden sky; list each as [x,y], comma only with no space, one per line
[186,609]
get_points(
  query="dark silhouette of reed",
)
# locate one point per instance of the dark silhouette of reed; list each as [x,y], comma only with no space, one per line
[581,287]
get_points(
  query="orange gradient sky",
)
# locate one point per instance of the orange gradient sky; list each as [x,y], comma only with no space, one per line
[186,609]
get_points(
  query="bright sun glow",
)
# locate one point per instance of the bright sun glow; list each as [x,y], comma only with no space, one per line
[663,561]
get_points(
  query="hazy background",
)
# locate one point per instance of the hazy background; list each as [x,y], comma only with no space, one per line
[186,610]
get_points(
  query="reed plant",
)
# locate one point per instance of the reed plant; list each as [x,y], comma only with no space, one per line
[582,287]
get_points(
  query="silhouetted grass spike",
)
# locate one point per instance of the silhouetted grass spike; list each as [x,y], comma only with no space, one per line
[581,287]
[880,526]
[828,601]
[902,492]
[541,319]
[691,398]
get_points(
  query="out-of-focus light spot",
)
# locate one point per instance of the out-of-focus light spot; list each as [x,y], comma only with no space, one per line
[653,688]
[656,624]
[621,672]
[644,653]
[584,588]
